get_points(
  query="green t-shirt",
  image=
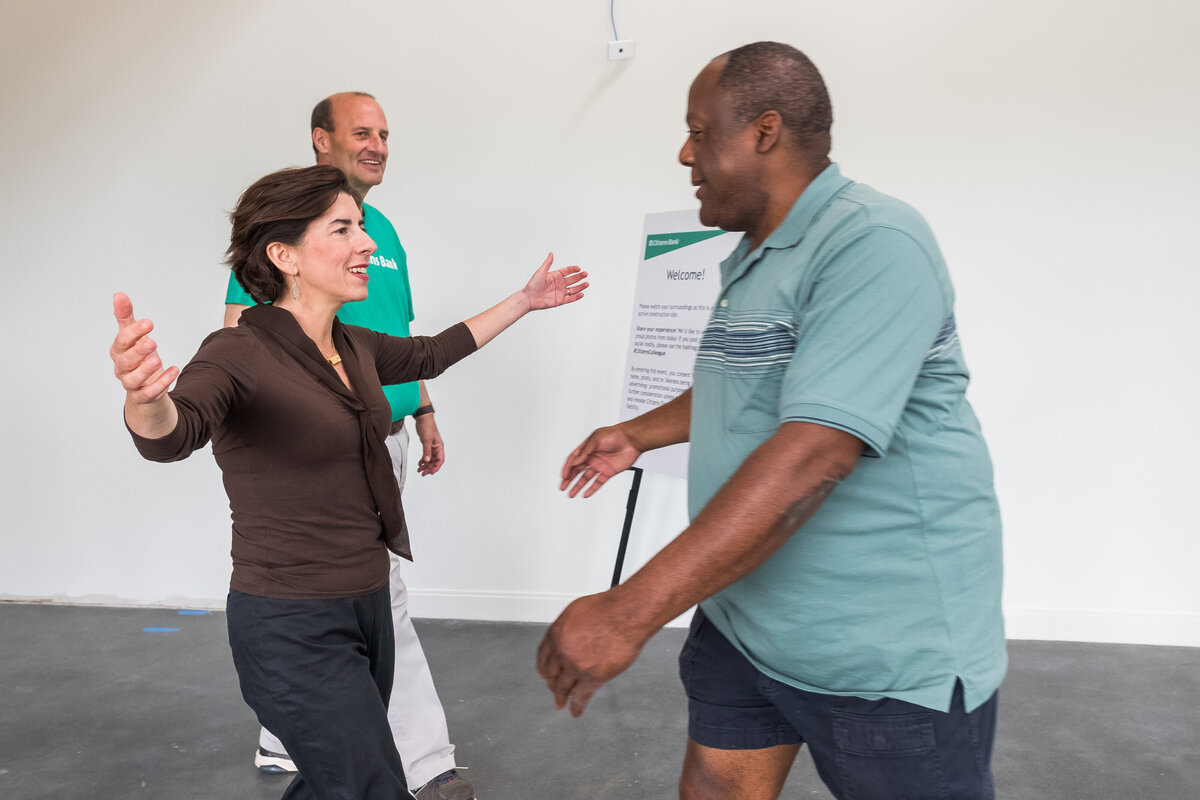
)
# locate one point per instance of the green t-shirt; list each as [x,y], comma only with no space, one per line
[845,317]
[388,307]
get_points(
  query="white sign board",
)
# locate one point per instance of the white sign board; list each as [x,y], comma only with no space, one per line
[678,280]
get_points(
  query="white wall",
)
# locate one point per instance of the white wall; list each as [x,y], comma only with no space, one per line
[1051,145]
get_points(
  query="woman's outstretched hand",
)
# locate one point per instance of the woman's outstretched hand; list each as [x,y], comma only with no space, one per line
[135,356]
[549,288]
[546,289]
[149,411]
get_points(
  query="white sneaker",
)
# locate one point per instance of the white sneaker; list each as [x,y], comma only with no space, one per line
[273,762]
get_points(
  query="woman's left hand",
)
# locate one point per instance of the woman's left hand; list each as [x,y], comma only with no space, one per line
[549,288]
[546,289]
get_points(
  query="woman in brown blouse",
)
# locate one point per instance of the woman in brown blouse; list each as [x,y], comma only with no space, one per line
[292,402]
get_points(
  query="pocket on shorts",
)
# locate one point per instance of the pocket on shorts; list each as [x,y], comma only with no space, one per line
[892,756]
[687,654]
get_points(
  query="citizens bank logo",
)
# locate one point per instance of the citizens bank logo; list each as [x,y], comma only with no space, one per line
[383,261]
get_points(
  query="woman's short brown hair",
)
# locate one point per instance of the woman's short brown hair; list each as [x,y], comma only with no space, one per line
[278,208]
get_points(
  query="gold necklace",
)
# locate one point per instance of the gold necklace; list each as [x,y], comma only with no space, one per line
[334,360]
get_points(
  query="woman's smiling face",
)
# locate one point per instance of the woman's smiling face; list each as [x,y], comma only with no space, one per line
[332,258]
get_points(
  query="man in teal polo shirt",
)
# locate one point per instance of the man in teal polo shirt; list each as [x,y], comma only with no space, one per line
[844,545]
[349,131]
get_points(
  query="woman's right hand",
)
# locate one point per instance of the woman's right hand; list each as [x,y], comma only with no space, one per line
[149,411]
[135,356]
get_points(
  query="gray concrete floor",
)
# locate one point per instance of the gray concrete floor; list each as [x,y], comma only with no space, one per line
[91,706]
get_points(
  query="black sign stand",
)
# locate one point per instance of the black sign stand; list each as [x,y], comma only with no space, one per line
[630,505]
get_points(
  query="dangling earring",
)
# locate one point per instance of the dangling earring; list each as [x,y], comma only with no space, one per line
[296,288]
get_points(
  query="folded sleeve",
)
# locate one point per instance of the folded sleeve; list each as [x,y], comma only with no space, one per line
[870,321]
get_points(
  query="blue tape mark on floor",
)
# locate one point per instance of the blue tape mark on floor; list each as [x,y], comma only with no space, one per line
[160,630]
[190,612]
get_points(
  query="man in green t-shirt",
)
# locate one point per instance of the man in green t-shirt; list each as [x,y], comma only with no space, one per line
[844,543]
[349,131]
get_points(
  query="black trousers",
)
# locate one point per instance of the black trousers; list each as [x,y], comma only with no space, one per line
[318,673]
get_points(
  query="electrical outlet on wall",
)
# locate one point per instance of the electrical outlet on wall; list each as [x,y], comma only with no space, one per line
[620,49]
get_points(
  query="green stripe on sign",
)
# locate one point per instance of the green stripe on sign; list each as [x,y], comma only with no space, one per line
[659,243]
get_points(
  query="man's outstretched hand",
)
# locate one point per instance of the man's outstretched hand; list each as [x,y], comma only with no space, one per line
[605,453]
[589,644]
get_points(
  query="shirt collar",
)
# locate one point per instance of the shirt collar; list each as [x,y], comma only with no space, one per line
[808,206]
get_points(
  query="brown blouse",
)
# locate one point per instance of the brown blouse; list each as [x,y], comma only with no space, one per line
[309,480]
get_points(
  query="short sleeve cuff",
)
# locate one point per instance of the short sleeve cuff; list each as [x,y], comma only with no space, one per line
[234,293]
[875,438]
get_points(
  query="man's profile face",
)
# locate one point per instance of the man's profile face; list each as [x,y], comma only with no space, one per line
[722,155]
[357,145]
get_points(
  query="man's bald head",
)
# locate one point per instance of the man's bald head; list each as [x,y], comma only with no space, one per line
[322,113]
[349,131]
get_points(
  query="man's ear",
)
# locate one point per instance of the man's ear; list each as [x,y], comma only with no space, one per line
[281,256]
[320,140]
[768,130]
